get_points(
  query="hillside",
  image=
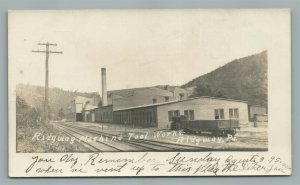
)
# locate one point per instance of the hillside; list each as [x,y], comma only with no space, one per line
[58,98]
[244,79]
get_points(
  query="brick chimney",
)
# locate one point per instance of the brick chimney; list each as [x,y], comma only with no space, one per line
[167,98]
[104,90]
[181,95]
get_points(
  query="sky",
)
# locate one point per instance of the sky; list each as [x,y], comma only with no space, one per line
[137,47]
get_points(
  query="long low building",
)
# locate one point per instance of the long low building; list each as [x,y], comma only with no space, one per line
[160,114]
[156,107]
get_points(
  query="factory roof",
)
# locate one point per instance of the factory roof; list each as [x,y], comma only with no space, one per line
[177,101]
[81,99]
[141,90]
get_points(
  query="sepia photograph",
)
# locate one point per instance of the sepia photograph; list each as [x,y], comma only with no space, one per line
[149,92]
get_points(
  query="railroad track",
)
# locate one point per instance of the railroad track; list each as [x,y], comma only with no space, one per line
[107,144]
[242,138]
[98,146]
[131,145]
[252,139]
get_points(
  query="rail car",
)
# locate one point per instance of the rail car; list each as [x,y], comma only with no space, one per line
[213,127]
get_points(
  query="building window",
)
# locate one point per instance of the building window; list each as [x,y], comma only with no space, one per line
[150,117]
[144,117]
[147,117]
[170,113]
[186,113]
[173,113]
[140,118]
[234,113]
[219,114]
[189,114]
[154,116]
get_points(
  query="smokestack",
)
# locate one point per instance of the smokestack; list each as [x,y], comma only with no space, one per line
[104,91]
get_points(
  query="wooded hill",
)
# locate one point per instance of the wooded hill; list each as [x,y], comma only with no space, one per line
[244,79]
[59,99]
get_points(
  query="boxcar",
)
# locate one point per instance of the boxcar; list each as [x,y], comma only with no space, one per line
[214,127]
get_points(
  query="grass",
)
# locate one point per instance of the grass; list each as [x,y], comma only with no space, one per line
[26,142]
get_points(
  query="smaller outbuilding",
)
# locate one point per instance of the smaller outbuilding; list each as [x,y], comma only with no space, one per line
[258,114]
[81,106]
[88,113]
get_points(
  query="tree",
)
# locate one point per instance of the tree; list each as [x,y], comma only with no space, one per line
[61,113]
[26,115]
[21,103]
[203,90]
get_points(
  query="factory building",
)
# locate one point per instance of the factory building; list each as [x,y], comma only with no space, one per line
[256,111]
[258,115]
[145,116]
[88,113]
[200,108]
[126,98]
[156,106]
[80,103]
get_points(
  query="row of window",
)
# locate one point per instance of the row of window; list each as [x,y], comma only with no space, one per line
[219,114]
[233,113]
[106,116]
[140,118]
[189,114]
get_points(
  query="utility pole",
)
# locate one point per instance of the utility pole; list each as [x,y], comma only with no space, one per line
[48,52]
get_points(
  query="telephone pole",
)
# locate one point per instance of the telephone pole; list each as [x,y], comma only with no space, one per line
[48,52]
